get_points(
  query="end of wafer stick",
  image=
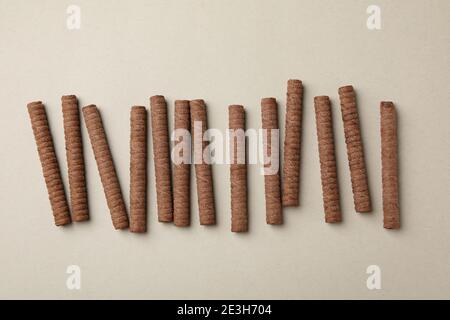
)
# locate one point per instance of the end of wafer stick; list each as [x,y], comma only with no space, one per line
[157,99]
[268,101]
[89,107]
[69,97]
[387,105]
[321,99]
[346,88]
[33,104]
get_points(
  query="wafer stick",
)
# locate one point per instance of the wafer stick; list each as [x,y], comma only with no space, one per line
[292,144]
[138,169]
[105,166]
[161,156]
[389,164]
[75,158]
[355,153]
[182,171]
[269,114]
[238,169]
[203,170]
[49,163]
[330,189]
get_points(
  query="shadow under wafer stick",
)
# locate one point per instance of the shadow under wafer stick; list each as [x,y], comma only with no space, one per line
[138,169]
[292,144]
[182,171]
[49,163]
[238,169]
[75,158]
[203,171]
[389,163]
[355,150]
[269,114]
[328,171]
[105,166]
[161,156]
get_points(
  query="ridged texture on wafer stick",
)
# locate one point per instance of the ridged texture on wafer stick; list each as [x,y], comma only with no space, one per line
[292,143]
[49,163]
[355,152]
[75,158]
[182,171]
[389,162]
[161,156]
[238,169]
[105,166]
[138,169]
[203,172]
[328,171]
[269,114]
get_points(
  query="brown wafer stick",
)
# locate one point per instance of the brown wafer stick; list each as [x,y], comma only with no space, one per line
[75,158]
[161,155]
[238,169]
[355,151]
[292,143]
[389,162]
[49,163]
[138,169]
[182,171]
[328,171]
[203,172]
[269,114]
[105,166]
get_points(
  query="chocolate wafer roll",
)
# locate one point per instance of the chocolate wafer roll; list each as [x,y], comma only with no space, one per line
[105,166]
[161,156]
[328,171]
[269,114]
[389,165]
[182,171]
[355,153]
[203,172]
[75,158]
[238,169]
[138,169]
[292,143]
[49,163]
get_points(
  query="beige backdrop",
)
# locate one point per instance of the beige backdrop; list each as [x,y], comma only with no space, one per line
[228,52]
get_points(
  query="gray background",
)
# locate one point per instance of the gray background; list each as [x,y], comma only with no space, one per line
[228,52]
